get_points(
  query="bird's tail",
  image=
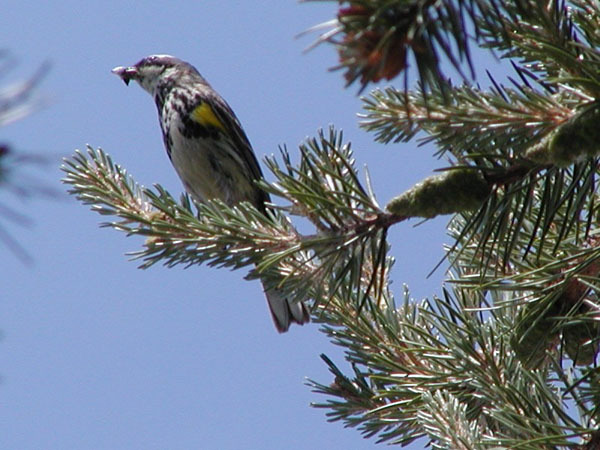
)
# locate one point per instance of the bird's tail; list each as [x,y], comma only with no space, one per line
[285,312]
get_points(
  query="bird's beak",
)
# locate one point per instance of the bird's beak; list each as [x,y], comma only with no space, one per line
[126,73]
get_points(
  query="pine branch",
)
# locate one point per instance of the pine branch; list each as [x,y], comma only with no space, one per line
[549,38]
[558,293]
[518,142]
[419,366]
[375,39]
[17,101]
[507,357]
[350,229]
[406,359]
[467,121]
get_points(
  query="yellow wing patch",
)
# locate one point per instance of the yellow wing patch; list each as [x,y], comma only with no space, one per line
[204,115]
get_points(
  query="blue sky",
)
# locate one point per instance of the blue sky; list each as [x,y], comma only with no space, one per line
[97,354]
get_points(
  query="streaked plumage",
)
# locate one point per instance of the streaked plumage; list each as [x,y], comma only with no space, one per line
[207,146]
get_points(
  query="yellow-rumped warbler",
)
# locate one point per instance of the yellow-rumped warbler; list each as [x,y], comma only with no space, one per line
[208,148]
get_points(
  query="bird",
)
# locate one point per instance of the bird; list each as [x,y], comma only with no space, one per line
[208,148]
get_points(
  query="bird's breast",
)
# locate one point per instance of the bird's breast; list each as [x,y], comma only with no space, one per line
[204,162]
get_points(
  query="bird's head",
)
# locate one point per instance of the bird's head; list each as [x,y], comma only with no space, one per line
[153,70]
